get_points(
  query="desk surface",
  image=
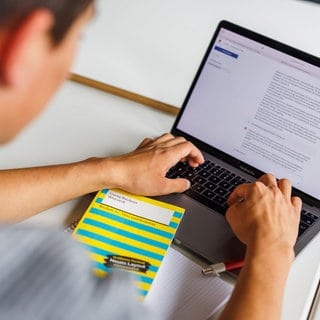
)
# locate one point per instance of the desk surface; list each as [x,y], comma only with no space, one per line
[82,122]
[154,47]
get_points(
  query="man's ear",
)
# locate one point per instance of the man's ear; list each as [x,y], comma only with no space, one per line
[25,47]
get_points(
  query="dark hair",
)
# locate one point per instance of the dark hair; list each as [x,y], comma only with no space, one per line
[64,11]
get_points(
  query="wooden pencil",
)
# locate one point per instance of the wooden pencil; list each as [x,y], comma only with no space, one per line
[125,94]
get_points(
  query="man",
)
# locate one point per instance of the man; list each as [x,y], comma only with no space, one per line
[37,277]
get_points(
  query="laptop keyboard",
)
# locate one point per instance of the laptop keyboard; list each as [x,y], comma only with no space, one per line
[306,221]
[211,185]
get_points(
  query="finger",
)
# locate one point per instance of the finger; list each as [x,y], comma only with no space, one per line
[239,194]
[186,150]
[285,187]
[175,186]
[231,214]
[164,138]
[191,162]
[145,142]
[269,180]
[297,203]
[171,142]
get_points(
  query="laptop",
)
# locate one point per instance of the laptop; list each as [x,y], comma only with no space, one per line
[253,107]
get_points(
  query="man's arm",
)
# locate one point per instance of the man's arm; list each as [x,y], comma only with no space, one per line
[264,217]
[25,192]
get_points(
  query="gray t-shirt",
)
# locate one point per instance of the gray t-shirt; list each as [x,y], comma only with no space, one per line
[46,275]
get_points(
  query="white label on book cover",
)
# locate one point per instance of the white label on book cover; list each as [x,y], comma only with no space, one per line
[139,208]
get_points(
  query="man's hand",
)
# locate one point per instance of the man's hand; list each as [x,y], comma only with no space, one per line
[143,171]
[263,215]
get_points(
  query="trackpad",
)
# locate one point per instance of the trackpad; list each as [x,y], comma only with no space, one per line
[206,232]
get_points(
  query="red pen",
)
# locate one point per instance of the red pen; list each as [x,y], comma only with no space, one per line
[217,268]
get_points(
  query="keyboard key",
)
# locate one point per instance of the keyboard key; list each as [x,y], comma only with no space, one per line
[236,181]
[189,175]
[204,173]
[207,165]
[314,217]
[210,185]
[227,195]
[199,180]
[214,179]
[221,192]
[217,170]
[302,228]
[171,174]
[209,194]
[220,200]
[197,169]
[307,220]
[225,185]
[227,176]
[198,188]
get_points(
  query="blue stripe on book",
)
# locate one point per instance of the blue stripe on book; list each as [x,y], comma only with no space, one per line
[125,233]
[143,292]
[146,279]
[131,223]
[96,250]
[102,267]
[99,200]
[177,215]
[173,225]
[119,244]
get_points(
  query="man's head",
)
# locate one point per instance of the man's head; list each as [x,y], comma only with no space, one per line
[64,12]
[38,39]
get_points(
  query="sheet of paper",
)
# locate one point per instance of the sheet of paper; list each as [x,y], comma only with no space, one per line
[180,291]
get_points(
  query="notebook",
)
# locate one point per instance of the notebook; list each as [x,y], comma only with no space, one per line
[253,107]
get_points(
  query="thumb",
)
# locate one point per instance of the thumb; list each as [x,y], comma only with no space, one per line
[177,185]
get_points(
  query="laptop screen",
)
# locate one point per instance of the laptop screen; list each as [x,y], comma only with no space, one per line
[260,105]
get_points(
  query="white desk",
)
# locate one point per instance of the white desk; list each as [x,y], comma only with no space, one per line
[80,123]
[83,122]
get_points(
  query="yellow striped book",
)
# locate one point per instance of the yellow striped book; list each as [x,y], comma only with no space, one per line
[128,232]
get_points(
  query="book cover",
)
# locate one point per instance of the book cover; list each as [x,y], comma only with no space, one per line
[128,232]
